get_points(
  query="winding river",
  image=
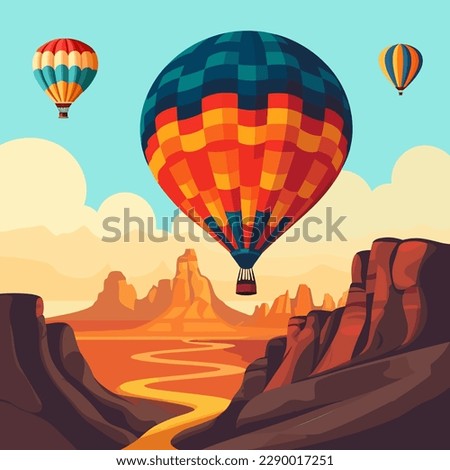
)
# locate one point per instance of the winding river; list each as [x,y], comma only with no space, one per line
[204,407]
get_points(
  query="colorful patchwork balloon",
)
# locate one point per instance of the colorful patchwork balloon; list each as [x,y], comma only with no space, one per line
[245,132]
[64,68]
[400,64]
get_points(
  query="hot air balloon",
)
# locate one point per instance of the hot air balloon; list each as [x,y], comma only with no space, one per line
[64,68]
[400,64]
[245,132]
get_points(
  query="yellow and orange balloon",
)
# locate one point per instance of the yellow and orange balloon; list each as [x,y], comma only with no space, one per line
[400,64]
[64,68]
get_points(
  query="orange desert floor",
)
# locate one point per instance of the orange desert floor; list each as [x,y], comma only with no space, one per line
[202,375]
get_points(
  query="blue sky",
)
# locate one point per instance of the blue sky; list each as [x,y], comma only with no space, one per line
[134,40]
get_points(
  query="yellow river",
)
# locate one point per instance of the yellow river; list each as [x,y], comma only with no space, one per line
[204,407]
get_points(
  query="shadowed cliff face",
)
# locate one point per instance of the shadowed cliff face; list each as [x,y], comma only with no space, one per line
[365,372]
[49,398]
[396,301]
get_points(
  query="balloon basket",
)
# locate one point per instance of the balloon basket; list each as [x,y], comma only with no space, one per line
[63,109]
[246,283]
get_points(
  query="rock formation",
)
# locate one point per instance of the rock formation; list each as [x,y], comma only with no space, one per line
[193,306]
[185,304]
[156,301]
[328,303]
[284,307]
[372,374]
[115,304]
[343,299]
[302,303]
[49,398]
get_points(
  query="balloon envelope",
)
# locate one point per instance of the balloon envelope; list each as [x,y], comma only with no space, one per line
[64,68]
[245,132]
[400,64]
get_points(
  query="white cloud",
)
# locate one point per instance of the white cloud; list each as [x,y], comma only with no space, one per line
[41,184]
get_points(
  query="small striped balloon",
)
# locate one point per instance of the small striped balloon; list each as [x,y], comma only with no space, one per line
[400,64]
[64,68]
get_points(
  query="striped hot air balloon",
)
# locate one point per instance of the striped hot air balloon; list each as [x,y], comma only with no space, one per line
[245,132]
[64,68]
[400,64]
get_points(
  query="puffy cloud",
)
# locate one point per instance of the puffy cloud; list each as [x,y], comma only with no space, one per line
[41,184]
[413,204]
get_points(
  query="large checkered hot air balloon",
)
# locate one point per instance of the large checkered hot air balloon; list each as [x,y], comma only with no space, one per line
[245,132]
[64,68]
